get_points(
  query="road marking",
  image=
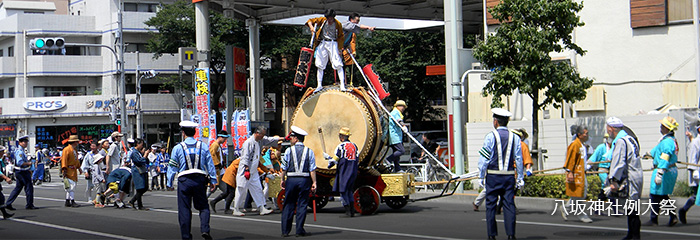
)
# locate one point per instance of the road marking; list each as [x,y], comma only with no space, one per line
[279,222]
[72,229]
[603,228]
[319,226]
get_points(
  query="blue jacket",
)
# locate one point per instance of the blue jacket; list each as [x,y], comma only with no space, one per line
[665,157]
[137,161]
[395,133]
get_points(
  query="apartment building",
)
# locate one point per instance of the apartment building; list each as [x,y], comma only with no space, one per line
[49,95]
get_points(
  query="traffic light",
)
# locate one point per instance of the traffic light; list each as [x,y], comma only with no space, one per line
[118,122]
[56,43]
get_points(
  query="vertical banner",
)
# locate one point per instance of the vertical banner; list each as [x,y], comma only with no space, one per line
[239,75]
[212,127]
[242,123]
[224,121]
[201,96]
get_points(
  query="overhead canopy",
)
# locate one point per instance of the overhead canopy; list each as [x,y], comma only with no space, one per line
[267,11]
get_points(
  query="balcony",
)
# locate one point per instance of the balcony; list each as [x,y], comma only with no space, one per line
[59,65]
[165,64]
[7,67]
[133,21]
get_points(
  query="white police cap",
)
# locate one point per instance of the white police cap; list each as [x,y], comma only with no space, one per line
[501,112]
[130,140]
[188,124]
[23,137]
[298,131]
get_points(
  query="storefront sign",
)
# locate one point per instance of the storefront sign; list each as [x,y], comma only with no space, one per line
[44,105]
[239,78]
[8,130]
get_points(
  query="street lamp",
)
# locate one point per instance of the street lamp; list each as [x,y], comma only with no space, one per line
[139,115]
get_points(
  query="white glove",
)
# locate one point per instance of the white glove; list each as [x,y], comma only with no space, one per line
[326,156]
[519,184]
[482,183]
[588,167]
[331,163]
[404,128]
[659,176]
[607,190]
[270,176]
[696,175]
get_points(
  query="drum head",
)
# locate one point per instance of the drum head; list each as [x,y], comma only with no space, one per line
[331,110]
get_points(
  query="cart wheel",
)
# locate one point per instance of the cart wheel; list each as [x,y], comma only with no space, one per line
[280,200]
[396,202]
[367,200]
[320,202]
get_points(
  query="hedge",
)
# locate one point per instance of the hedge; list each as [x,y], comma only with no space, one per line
[552,186]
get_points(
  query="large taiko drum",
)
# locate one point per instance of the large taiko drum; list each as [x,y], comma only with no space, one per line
[331,109]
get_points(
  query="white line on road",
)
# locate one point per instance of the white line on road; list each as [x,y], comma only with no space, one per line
[322,226]
[603,228]
[279,222]
[72,229]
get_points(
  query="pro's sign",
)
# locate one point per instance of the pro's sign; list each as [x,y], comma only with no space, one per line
[44,105]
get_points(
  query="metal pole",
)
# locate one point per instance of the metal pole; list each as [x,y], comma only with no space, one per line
[229,98]
[453,22]
[126,128]
[139,116]
[256,84]
[696,27]
[486,25]
[202,30]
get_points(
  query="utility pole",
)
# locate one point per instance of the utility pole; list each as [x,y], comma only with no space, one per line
[126,128]
[139,116]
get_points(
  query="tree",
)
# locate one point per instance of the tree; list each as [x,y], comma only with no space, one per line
[400,58]
[176,28]
[519,54]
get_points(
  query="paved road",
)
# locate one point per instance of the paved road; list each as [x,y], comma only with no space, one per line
[446,218]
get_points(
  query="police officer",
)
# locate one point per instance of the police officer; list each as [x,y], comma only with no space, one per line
[500,153]
[298,166]
[194,167]
[5,214]
[23,176]
[346,157]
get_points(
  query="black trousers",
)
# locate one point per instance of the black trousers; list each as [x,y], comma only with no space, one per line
[634,226]
[227,193]
[656,201]
[138,197]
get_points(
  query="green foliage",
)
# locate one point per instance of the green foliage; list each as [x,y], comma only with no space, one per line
[519,51]
[176,28]
[400,58]
[97,92]
[553,186]
[682,189]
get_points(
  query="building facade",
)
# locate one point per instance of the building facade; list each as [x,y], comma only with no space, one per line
[51,94]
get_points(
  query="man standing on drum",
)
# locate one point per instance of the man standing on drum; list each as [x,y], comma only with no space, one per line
[346,172]
[396,134]
[329,39]
[298,178]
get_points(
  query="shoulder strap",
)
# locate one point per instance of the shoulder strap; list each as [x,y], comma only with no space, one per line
[187,155]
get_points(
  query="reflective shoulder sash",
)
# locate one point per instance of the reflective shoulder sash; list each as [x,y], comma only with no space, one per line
[192,169]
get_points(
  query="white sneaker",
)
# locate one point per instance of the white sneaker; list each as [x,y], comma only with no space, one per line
[238,213]
[585,219]
[265,211]
[563,214]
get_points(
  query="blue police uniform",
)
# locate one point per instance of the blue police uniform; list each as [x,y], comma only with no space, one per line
[298,162]
[121,176]
[500,159]
[192,163]
[24,180]
[39,171]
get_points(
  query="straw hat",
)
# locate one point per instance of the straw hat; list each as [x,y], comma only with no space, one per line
[670,123]
[345,131]
[73,138]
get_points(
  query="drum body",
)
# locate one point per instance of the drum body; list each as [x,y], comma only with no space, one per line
[332,109]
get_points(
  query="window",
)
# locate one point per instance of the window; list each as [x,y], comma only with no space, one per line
[2,93]
[58,91]
[680,10]
[141,7]
[11,92]
[2,52]
[133,47]
[11,51]
[33,12]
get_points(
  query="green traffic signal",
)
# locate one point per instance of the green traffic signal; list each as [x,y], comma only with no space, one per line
[39,43]
[118,122]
